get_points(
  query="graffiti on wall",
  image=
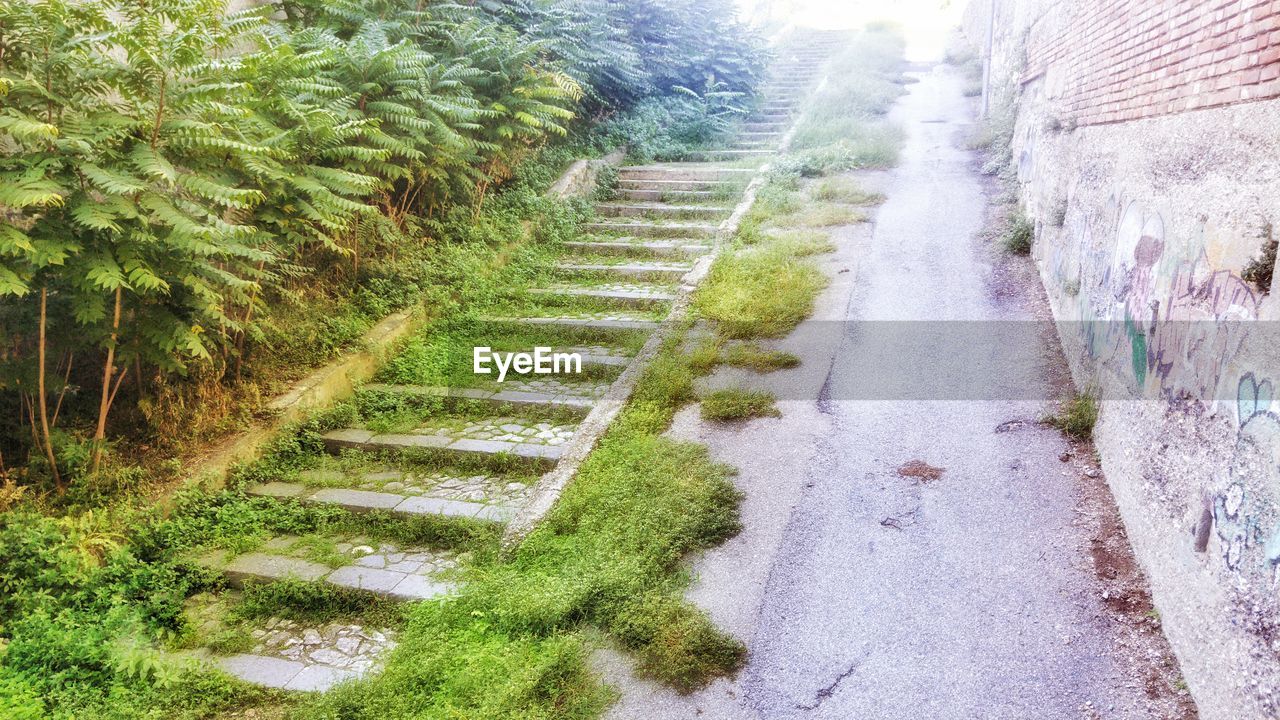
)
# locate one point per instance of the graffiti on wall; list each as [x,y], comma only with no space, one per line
[1157,315]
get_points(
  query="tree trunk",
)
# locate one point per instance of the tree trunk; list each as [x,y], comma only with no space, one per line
[108,370]
[42,401]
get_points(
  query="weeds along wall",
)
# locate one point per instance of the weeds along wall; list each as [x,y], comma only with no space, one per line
[1143,145]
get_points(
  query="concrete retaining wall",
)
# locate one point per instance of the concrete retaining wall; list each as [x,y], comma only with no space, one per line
[1147,152]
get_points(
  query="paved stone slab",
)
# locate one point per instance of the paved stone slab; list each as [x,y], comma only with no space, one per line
[373,580]
[356,500]
[420,587]
[277,489]
[260,669]
[495,447]
[500,398]
[346,438]
[263,566]
[318,678]
[449,508]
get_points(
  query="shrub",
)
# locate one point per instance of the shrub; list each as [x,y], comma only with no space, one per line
[1019,235]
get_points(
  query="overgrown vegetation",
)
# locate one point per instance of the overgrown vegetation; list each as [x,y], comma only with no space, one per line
[843,127]
[1261,269]
[1077,415]
[1019,234]
[196,206]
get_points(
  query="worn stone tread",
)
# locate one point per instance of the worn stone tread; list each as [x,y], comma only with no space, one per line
[653,229]
[358,439]
[654,247]
[413,505]
[619,296]
[516,398]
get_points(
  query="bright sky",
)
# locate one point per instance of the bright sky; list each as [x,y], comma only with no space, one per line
[927,23]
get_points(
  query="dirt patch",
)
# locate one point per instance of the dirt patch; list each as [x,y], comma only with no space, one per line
[920,470]
[1126,596]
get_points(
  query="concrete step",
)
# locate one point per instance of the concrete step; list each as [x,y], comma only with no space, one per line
[638,270]
[579,404]
[589,323]
[760,135]
[335,441]
[684,171]
[679,184]
[659,195]
[361,501]
[767,127]
[374,573]
[630,298]
[652,229]
[728,154]
[623,246]
[661,210]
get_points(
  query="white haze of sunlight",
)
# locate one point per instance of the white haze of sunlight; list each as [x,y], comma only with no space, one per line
[925,23]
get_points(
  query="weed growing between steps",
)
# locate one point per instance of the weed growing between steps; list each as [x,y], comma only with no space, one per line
[514,642]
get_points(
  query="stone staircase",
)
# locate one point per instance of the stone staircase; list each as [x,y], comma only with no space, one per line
[610,288]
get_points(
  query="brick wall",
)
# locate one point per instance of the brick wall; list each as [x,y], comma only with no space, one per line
[1129,59]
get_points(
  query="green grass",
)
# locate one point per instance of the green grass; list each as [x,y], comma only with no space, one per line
[759,292]
[1018,235]
[843,126]
[1077,416]
[738,404]
[844,190]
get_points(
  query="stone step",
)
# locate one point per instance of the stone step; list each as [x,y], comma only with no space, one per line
[659,195]
[769,127]
[668,271]
[684,171]
[754,144]
[661,248]
[360,501]
[576,403]
[694,212]
[646,229]
[372,573]
[760,135]
[282,674]
[335,441]
[728,154]
[589,323]
[677,184]
[632,298]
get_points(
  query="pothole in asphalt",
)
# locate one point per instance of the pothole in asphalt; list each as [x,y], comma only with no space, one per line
[920,470]
[1011,425]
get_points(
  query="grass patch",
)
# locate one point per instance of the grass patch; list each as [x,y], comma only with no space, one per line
[738,404]
[843,126]
[1019,235]
[759,292]
[844,190]
[1077,416]
[821,215]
